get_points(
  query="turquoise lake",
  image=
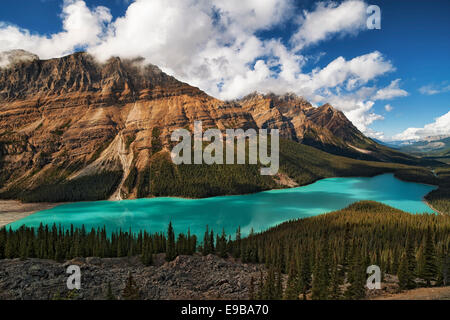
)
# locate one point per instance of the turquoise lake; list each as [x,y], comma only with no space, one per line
[258,211]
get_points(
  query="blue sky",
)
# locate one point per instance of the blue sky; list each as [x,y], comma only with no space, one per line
[392,82]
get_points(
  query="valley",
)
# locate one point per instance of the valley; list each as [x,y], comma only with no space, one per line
[73,129]
[95,138]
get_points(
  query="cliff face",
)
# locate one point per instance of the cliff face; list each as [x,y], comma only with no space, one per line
[72,122]
[81,117]
[324,127]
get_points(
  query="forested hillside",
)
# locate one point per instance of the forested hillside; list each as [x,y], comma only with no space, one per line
[326,256]
[323,257]
[68,137]
[302,164]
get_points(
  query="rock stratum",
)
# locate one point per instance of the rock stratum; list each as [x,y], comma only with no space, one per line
[73,121]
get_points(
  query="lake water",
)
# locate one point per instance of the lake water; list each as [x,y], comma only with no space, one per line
[258,211]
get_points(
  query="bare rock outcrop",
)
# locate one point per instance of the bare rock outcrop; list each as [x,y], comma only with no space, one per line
[187,277]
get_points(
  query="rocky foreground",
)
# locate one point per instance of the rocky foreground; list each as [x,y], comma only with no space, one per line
[187,277]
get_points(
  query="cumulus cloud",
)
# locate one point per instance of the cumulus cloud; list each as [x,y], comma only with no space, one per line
[441,126]
[215,45]
[328,19]
[81,27]
[390,92]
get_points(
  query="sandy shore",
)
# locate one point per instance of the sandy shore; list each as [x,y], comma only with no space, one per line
[432,208]
[12,210]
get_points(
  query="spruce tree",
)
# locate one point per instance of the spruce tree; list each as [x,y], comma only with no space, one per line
[357,278]
[429,253]
[411,257]
[270,290]
[147,254]
[291,292]
[336,282]
[304,277]
[170,249]
[237,244]
[395,262]
[206,249]
[346,248]
[321,273]
[404,275]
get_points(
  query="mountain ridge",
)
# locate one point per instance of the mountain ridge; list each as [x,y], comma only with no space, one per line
[70,119]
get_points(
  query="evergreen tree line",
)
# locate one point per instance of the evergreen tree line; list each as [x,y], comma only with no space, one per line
[58,244]
[302,163]
[327,256]
[322,257]
[440,198]
[88,188]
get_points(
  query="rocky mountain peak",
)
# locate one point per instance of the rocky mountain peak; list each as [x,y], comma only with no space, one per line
[80,72]
[13,57]
[71,117]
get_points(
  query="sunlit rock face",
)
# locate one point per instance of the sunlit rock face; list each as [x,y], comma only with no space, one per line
[70,117]
[64,112]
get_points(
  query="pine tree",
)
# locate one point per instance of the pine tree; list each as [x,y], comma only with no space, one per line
[291,292]
[395,262]
[211,242]
[147,254]
[404,275]
[420,265]
[411,258]
[221,246]
[346,248]
[10,247]
[321,274]
[336,282]
[206,245]
[237,244]
[304,277]
[429,253]
[130,292]
[442,268]
[270,290]
[357,278]
[170,249]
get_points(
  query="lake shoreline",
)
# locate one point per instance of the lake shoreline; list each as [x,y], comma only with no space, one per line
[14,210]
[432,208]
[259,211]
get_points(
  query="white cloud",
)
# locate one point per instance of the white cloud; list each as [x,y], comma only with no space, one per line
[432,89]
[81,27]
[388,108]
[253,14]
[329,19]
[214,45]
[353,73]
[390,92]
[441,126]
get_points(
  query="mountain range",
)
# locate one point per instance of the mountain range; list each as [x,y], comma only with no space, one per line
[73,122]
